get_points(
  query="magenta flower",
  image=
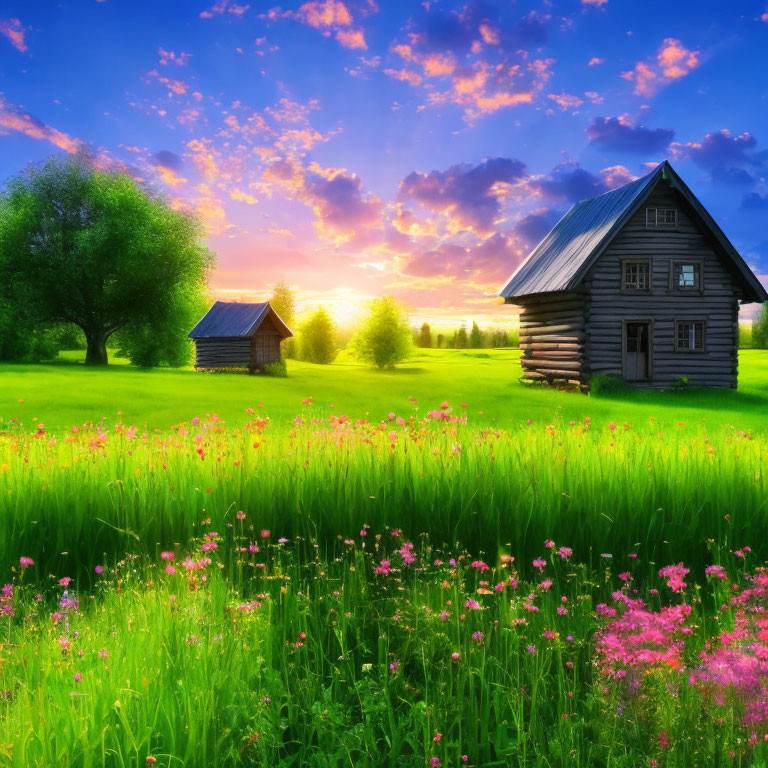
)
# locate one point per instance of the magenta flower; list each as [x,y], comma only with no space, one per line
[26,562]
[265,533]
[478,636]
[675,575]
[168,555]
[539,563]
[99,570]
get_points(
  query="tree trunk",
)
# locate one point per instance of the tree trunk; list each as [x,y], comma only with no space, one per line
[96,349]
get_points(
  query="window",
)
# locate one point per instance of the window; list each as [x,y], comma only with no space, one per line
[689,336]
[686,276]
[636,275]
[661,218]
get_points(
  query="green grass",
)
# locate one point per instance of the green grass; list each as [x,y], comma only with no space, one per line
[191,678]
[64,394]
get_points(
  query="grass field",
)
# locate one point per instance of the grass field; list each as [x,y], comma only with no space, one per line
[428,567]
[65,393]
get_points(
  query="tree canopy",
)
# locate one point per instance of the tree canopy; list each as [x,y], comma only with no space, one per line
[317,338]
[283,301]
[384,337]
[95,249]
[760,329]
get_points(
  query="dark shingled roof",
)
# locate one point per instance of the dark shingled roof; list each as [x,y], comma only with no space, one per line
[562,258]
[229,319]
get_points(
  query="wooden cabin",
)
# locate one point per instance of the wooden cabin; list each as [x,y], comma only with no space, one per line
[639,282]
[237,335]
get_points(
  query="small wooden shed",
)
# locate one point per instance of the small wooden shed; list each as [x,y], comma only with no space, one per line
[238,335]
[639,282]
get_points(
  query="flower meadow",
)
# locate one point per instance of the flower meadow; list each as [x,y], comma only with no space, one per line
[401,591]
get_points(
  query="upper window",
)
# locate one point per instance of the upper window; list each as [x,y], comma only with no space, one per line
[661,218]
[689,336]
[636,276]
[686,276]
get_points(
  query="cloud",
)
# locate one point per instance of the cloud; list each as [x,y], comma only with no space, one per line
[534,227]
[570,182]
[566,101]
[12,29]
[597,3]
[488,261]
[224,6]
[595,61]
[478,58]
[14,119]
[169,57]
[673,61]
[470,195]
[730,159]
[332,18]
[617,133]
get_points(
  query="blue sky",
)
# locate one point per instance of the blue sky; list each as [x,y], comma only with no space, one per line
[355,148]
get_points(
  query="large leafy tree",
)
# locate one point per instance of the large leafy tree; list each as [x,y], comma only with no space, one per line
[283,301]
[760,329]
[384,337]
[95,249]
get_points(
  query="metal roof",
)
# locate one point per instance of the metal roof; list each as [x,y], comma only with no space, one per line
[561,259]
[230,319]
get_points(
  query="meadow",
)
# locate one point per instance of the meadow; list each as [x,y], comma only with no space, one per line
[433,566]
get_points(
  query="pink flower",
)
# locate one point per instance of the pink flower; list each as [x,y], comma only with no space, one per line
[539,563]
[675,575]
[25,562]
[168,555]
[99,570]
[445,404]
[436,738]
[78,677]
[434,761]
[565,552]
[264,534]
[240,515]
[65,582]
[478,636]
[455,656]
[549,544]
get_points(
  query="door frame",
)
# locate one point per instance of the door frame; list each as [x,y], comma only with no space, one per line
[651,323]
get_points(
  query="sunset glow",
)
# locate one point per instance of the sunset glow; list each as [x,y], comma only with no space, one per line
[355,148]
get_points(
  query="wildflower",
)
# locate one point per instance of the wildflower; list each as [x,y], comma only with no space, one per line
[444,616]
[78,677]
[151,760]
[675,575]
[168,555]
[434,761]
[445,404]
[455,656]
[383,568]
[478,636]
[65,581]
[565,552]
[25,562]
[99,569]
[715,570]
[170,570]
[240,515]
[531,649]
[436,738]
[539,563]
[549,544]
[265,534]
[394,666]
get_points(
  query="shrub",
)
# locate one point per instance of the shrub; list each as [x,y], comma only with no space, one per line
[278,369]
[760,329]
[679,384]
[384,338]
[607,384]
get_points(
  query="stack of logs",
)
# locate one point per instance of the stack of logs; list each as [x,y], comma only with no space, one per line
[552,338]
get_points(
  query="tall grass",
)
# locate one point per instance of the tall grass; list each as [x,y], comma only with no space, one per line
[662,488]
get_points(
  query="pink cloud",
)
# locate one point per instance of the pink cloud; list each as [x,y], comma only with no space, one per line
[169,57]
[673,61]
[14,119]
[13,30]
[224,6]
[595,61]
[566,101]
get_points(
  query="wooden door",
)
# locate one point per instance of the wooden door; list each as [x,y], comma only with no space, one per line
[637,351]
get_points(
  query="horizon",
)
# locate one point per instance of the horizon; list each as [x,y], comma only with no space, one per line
[417,150]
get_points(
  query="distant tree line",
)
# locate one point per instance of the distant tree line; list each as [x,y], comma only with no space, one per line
[491,338]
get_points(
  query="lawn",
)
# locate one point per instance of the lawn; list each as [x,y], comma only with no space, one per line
[434,566]
[65,393]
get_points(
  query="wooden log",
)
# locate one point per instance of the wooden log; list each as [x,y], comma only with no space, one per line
[530,363]
[545,330]
[571,338]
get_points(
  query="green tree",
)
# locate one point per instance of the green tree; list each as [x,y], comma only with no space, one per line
[283,301]
[476,336]
[93,248]
[461,338]
[384,338]
[317,338]
[760,329]
[425,336]
[440,340]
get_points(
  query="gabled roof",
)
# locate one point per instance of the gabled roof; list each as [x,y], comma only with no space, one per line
[562,258]
[230,319]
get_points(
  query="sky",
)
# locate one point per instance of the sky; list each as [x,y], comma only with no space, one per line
[357,148]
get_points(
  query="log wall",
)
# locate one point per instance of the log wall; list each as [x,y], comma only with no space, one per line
[717,303]
[552,335]
[263,347]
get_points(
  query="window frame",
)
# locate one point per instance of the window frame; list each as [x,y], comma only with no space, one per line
[656,225]
[698,265]
[636,291]
[685,321]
